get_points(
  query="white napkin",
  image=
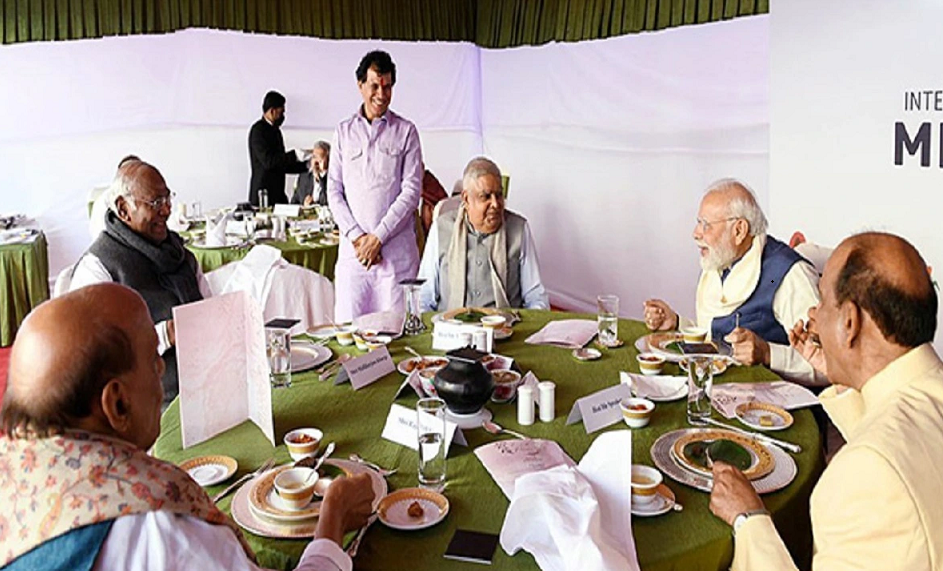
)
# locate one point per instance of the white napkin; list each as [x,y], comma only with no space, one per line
[253,273]
[569,333]
[572,519]
[216,230]
[658,386]
[728,396]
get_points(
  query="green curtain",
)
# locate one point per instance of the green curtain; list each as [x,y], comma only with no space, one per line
[489,23]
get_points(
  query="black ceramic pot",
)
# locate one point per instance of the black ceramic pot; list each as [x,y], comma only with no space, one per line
[464,384]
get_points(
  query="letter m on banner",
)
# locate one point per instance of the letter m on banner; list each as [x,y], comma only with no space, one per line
[919,143]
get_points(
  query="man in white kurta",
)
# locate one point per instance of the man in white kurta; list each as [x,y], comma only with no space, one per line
[374,186]
[877,505]
[753,288]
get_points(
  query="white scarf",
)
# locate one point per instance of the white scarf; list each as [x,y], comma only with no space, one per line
[716,298]
[457,255]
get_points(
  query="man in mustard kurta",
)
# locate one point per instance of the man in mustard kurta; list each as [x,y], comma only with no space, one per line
[878,504]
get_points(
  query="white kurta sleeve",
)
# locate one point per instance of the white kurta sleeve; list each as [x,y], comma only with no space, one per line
[798,293]
[532,289]
[429,294]
[162,540]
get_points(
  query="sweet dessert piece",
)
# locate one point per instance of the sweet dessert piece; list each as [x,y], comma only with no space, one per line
[414,510]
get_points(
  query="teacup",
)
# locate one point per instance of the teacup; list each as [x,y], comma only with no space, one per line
[650,363]
[362,337]
[636,411]
[506,382]
[377,341]
[645,482]
[345,335]
[295,487]
[303,442]
[693,334]
[493,321]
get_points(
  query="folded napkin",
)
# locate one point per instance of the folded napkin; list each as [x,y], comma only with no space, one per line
[575,518]
[569,333]
[253,273]
[216,229]
[299,226]
[658,386]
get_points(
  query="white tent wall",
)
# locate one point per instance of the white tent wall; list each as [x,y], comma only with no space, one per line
[839,73]
[608,143]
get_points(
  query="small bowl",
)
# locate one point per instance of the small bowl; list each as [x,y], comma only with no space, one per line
[303,442]
[345,335]
[425,379]
[650,363]
[377,341]
[295,488]
[362,337]
[587,354]
[645,482]
[506,383]
[693,334]
[636,412]
[493,321]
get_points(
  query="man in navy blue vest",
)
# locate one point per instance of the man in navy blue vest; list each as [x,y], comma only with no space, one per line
[753,288]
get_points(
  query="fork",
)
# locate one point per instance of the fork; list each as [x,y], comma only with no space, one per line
[267,465]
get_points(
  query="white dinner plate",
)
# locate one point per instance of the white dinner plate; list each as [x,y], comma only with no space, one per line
[393,510]
[230,242]
[407,366]
[306,355]
[210,470]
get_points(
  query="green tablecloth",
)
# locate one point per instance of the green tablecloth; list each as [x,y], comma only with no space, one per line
[690,540]
[320,259]
[24,284]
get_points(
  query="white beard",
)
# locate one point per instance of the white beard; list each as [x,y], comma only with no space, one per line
[718,257]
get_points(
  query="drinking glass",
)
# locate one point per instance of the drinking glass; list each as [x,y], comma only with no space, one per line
[250,224]
[607,318]
[414,324]
[430,426]
[196,210]
[700,383]
[278,351]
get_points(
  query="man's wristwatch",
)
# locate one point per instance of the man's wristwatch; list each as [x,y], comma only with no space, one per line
[744,516]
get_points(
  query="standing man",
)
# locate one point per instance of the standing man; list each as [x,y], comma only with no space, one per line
[267,156]
[311,186]
[375,178]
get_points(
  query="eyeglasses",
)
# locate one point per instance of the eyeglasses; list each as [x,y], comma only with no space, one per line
[157,203]
[705,225]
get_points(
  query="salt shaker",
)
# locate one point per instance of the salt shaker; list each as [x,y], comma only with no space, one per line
[481,340]
[547,395]
[525,405]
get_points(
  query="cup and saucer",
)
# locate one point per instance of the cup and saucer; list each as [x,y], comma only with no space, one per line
[650,496]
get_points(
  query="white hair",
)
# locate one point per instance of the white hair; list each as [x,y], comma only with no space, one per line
[123,183]
[479,167]
[745,207]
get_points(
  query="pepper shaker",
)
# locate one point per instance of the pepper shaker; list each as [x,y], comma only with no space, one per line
[525,405]
[547,395]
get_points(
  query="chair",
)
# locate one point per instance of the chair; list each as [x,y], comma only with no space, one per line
[281,288]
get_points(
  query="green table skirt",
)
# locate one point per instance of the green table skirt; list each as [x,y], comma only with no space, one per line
[320,259]
[689,540]
[24,284]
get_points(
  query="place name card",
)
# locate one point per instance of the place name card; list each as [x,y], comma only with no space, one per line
[599,409]
[366,369]
[401,428]
[447,336]
[290,210]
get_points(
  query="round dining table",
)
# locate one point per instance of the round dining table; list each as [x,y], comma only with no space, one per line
[314,256]
[24,283]
[691,539]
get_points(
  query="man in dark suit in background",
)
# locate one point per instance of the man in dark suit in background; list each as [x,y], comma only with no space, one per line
[267,156]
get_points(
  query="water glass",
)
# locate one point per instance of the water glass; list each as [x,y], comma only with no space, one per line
[278,351]
[430,426]
[196,210]
[607,318]
[700,383]
[263,199]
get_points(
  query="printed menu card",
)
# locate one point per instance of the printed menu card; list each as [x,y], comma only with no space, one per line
[222,367]
[506,460]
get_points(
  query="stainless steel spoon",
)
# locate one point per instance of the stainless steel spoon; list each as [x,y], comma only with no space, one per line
[380,470]
[495,428]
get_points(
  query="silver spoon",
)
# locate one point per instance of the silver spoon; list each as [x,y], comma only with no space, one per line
[382,471]
[330,370]
[327,452]
[495,428]
[413,352]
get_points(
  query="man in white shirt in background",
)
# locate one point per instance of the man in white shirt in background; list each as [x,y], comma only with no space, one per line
[753,288]
[138,250]
[80,412]
[481,255]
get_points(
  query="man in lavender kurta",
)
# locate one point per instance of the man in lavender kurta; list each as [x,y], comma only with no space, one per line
[374,185]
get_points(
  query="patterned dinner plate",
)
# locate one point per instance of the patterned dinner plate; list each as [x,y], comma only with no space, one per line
[660,344]
[761,461]
[784,471]
[243,514]
[763,416]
